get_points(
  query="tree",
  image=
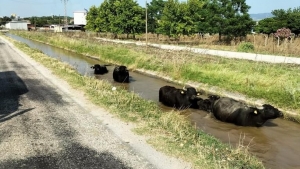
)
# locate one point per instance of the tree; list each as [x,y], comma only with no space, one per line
[117,17]
[173,20]
[196,14]
[293,20]
[229,17]
[154,11]
[91,18]
[266,26]
[283,33]
[39,21]
[102,20]
[129,18]
[282,18]
[4,20]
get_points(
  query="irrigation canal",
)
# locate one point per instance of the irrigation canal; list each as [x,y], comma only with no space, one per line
[276,143]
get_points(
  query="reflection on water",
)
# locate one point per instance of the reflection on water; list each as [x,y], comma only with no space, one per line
[277,143]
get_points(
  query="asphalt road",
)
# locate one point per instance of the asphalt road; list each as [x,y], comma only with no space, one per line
[46,124]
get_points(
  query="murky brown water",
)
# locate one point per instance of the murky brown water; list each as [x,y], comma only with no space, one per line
[277,143]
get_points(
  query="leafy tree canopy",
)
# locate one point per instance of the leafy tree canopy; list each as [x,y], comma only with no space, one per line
[289,18]
[154,11]
[229,17]
[116,16]
[266,26]
[4,20]
[91,17]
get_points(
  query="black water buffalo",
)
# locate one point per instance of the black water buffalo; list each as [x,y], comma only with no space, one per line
[233,111]
[206,104]
[121,74]
[179,98]
[98,69]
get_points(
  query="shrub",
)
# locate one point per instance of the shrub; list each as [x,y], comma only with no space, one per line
[283,33]
[246,47]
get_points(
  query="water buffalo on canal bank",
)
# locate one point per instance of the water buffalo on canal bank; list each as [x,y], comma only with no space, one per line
[233,111]
[121,74]
[179,98]
[98,69]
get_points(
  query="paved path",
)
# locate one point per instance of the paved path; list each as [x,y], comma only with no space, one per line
[227,54]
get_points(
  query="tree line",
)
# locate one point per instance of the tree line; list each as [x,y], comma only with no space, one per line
[37,21]
[172,18]
[4,20]
[47,20]
[288,19]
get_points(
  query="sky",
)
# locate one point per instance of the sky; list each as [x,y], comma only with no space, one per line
[28,8]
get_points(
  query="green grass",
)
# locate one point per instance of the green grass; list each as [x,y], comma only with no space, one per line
[167,131]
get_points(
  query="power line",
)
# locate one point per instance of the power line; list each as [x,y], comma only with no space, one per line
[66,19]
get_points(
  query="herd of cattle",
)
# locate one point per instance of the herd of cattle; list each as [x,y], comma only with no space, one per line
[223,108]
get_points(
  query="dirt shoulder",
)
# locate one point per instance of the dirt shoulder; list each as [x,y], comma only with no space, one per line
[74,122]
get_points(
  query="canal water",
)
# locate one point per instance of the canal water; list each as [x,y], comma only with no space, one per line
[277,143]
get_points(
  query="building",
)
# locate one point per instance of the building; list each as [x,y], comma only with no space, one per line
[58,28]
[18,25]
[80,18]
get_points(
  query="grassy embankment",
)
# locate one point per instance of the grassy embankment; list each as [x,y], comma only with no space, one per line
[278,84]
[262,43]
[167,131]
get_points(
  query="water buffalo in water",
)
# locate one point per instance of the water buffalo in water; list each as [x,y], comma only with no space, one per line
[179,98]
[98,69]
[121,74]
[206,104]
[233,111]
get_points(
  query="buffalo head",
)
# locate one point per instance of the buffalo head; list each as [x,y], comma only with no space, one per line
[269,112]
[191,92]
[98,69]
[259,116]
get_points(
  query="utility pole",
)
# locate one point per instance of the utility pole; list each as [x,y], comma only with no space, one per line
[66,18]
[146,27]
